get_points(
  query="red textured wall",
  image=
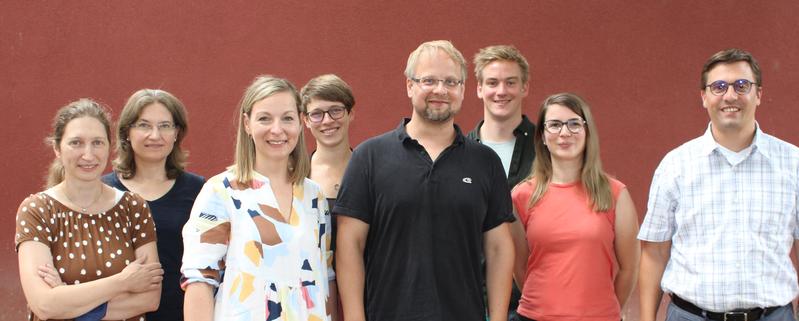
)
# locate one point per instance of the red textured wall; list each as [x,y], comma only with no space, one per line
[636,62]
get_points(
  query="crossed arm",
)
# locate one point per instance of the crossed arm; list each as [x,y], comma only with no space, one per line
[133,291]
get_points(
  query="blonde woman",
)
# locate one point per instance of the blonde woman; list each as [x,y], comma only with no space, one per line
[580,223]
[260,231]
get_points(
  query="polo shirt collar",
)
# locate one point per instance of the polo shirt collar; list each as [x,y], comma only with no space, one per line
[402,132]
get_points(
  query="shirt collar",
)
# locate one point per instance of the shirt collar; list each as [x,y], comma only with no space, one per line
[525,128]
[402,132]
[759,142]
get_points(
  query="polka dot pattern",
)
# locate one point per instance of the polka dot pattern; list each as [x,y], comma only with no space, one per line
[86,247]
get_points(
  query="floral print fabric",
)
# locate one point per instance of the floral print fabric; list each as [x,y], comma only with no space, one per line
[265,268]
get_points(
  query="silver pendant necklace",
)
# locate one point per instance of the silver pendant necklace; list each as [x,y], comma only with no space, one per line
[83,209]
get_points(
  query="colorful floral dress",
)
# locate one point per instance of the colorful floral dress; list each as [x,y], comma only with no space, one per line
[264,267]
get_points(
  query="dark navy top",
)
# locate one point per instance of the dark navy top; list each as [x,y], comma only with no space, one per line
[426,224]
[170,212]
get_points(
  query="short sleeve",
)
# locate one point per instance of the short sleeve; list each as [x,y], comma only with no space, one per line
[499,202]
[141,220]
[796,217]
[355,198]
[32,224]
[206,235]
[659,222]
[616,187]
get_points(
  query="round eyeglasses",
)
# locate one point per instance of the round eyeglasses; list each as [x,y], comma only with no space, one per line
[166,128]
[574,125]
[335,112]
[740,86]
[428,83]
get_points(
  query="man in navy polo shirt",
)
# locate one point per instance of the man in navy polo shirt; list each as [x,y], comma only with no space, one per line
[420,205]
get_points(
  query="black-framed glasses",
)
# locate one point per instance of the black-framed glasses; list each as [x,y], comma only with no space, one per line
[740,86]
[163,127]
[432,82]
[335,112]
[574,125]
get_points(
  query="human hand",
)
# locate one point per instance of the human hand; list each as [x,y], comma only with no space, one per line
[141,277]
[49,275]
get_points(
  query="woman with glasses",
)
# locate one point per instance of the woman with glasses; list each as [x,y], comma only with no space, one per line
[580,224]
[151,163]
[259,233]
[327,101]
[86,251]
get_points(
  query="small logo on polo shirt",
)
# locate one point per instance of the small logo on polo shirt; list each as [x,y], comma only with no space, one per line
[467,180]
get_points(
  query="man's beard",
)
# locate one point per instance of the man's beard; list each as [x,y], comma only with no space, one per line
[438,115]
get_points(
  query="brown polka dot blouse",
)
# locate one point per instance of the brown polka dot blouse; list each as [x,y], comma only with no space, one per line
[86,247]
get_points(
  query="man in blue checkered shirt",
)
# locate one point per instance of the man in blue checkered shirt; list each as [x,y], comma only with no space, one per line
[722,211]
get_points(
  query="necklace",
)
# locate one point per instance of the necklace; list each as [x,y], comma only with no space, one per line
[84,209]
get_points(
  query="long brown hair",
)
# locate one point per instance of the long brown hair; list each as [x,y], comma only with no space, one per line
[594,180]
[83,107]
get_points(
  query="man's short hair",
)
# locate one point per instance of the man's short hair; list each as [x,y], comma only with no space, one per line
[729,56]
[327,87]
[490,54]
[432,47]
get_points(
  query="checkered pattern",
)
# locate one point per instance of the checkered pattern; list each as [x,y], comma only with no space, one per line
[731,223]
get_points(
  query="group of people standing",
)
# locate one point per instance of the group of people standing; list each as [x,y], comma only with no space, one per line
[423,222]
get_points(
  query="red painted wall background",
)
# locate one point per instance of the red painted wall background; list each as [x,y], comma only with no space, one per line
[636,62]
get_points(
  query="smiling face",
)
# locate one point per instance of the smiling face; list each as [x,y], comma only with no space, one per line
[153,144]
[502,90]
[565,145]
[328,132]
[731,112]
[83,149]
[274,125]
[437,103]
